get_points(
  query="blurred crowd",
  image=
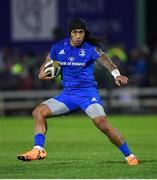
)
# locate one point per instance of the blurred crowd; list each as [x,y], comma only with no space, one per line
[19,70]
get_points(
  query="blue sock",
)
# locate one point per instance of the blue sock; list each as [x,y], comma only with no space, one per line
[125,149]
[39,140]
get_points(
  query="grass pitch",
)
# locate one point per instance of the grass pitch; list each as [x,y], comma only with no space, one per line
[77,149]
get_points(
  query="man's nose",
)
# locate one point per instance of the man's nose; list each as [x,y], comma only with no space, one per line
[78,35]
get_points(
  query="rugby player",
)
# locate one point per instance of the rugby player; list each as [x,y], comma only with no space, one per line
[77,55]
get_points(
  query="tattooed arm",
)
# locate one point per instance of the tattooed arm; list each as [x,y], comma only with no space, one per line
[107,63]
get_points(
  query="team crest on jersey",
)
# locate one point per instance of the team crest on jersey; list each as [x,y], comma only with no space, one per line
[71,58]
[82,52]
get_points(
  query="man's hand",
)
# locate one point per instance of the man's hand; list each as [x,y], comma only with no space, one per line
[43,76]
[121,80]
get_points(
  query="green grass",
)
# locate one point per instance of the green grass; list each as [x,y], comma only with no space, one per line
[76,148]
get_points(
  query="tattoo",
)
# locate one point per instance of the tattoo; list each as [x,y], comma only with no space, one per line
[98,51]
[106,61]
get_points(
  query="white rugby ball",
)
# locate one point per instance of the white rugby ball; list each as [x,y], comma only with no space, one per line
[52,69]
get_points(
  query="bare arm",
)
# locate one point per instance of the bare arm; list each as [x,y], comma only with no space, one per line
[107,63]
[41,74]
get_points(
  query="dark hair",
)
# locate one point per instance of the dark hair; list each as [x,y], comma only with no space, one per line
[79,23]
[92,39]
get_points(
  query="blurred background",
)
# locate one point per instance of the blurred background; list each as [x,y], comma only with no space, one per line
[30,27]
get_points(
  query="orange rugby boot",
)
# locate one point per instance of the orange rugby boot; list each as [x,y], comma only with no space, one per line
[132,160]
[33,154]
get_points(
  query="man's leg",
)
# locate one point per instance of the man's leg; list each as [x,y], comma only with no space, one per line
[41,113]
[97,114]
[116,138]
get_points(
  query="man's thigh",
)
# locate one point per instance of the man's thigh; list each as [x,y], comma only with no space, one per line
[61,104]
[90,102]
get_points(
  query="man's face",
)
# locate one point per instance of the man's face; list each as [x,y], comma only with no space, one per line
[77,37]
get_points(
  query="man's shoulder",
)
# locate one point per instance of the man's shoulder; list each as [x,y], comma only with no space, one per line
[89,45]
[61,43]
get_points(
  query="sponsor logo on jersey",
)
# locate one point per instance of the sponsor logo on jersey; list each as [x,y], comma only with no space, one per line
[62,52]
[71,63]
[82,52]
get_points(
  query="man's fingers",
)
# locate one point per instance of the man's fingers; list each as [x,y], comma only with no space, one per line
[121,80]
[118,82]
[124,82]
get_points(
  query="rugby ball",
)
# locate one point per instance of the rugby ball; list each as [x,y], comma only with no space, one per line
[52,69]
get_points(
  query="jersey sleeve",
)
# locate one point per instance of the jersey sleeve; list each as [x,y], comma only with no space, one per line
[53,52]
[97,52]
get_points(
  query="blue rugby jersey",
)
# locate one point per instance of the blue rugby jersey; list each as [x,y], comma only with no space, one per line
[77,63]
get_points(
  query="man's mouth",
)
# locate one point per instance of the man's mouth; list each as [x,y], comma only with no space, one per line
[78,42]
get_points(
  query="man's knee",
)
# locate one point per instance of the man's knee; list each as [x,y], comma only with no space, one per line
[102,123]
[42,110]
